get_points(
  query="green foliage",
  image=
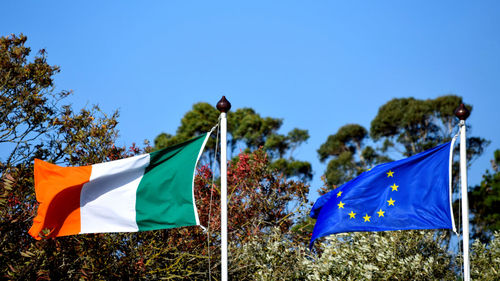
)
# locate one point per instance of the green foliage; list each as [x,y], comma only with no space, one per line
[26,98]
[84,138]
[263,203]
[274,256]
[418,125]
[409,126]
[292,167]
[485,259]
[278,145]
[348,155]
[34,124]
[393,255]
[347,139]
[409,122]
[163,140]
[248,130]
[484,200]
[200,119]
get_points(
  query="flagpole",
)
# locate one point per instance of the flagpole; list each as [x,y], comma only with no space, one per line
[223,106]
[462,113]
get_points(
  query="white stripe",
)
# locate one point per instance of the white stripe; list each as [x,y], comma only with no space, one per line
[194,174]
[107,201]
[450,187]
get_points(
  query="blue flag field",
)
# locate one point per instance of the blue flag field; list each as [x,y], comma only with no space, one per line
[412,193]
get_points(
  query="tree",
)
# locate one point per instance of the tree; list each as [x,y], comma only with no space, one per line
[26,98]
[260,197]
[199,120]
[350,156]
[418,125]
[405,126]
[395,255]
[484,201]
[34,124]
[410,126]
[275,256]
[484,259]
[263,202]
[246,130]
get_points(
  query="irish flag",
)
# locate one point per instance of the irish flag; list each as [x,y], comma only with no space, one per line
[144,192]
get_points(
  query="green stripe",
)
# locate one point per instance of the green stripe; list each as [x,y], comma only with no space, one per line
[164,195]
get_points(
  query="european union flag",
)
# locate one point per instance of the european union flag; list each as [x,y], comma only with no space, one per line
[412,193]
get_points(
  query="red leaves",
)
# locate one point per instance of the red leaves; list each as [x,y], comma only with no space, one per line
[258,197]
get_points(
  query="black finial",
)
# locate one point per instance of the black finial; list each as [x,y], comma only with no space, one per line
[223,105]
[462,112]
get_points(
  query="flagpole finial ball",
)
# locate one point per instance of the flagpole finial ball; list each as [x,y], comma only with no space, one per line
[462,112]
[223,105]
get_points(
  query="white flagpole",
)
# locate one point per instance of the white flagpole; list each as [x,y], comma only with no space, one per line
[462,113]
[223,106]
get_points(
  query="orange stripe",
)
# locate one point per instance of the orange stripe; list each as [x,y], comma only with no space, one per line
[58,192]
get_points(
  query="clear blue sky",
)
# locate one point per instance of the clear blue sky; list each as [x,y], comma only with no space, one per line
[316,64]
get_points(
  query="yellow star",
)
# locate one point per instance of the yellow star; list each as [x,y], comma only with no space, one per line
[380,213]
[390,174]
[367,217]
[341,205]
[394,187]
[352,215]
[340,193]
[391,202]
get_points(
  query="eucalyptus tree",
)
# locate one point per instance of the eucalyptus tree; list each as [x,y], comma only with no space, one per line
[403,126]
[247,131]
[348,154]
[411,125]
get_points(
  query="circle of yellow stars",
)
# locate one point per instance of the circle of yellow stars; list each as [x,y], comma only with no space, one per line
[380,213]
